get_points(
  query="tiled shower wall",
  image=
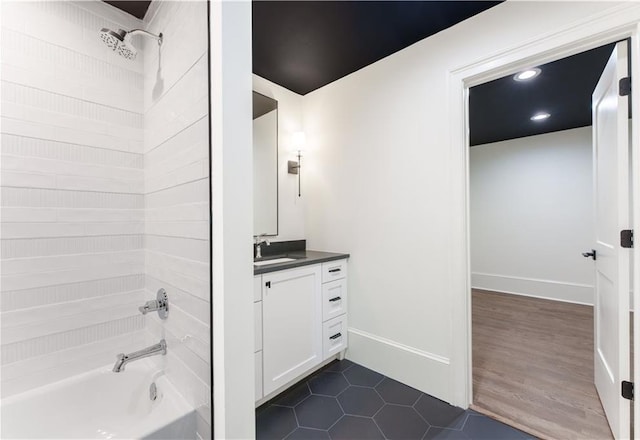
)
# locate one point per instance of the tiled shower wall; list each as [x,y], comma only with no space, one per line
[176,185]
[72,193]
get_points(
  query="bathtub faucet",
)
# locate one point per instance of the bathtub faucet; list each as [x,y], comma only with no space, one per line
[124,359]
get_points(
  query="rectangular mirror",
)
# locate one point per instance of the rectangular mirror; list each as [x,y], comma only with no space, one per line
[265,165]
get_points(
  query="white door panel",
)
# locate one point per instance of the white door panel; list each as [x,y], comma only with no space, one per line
[611,200]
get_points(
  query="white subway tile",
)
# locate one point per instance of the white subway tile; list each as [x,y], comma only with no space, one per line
[38,267]
[192,192]
[198,211]
[191,333]
[178,341]
[59,341]
[24,215]
[27,280]
[100,215]
[191,249]
[42,321]
[159,266]
[187,268]
[180,107]
[31,373]
[39,247]
[44,100]
[12,162]
[189,173]
[31,230]
[186,229]
[194,390]
[78,154]
[195,134]
[64,293]
[41,197]
[69,135]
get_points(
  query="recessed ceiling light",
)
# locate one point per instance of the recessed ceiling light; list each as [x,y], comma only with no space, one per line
[527,75]
[540,116]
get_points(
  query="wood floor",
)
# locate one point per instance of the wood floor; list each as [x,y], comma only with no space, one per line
[533,365]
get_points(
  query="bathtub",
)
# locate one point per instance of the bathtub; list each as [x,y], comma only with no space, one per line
[100,404]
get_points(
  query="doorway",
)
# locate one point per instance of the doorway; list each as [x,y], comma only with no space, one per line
[531,206]
[508,63]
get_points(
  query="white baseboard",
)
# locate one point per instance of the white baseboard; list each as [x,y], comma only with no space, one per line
[537,288]
[417,368]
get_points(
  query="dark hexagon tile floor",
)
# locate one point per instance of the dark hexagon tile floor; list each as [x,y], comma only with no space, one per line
[346,401]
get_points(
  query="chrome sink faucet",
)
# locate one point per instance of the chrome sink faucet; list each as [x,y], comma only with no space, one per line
[259,240]
[124,359]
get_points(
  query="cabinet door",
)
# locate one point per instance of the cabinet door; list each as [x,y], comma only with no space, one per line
[292,325]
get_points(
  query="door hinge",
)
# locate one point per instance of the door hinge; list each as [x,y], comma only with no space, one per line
[627,390]
[624,86]
[626,238]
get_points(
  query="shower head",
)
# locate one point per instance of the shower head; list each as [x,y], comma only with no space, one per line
[120,41]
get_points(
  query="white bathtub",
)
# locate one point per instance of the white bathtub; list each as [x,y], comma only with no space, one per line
[100,404]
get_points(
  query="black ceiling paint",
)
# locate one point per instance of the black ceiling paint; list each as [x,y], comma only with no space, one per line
[304,45]
[135,8]
[500,110]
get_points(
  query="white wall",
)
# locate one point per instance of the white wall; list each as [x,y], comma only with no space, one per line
[380,186]
[290,206]
[531,214]
[72,268]
[176,165]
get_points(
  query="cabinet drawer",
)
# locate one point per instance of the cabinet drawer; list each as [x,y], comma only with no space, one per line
[257,288]
[334,336]
[334,270]
[258,373]
[334,299]
[257,321]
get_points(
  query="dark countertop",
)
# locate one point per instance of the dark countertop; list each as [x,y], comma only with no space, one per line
[302,258]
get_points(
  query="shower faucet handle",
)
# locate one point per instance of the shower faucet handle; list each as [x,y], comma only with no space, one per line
[160,305]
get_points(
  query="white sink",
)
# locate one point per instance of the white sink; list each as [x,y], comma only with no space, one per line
[274,261]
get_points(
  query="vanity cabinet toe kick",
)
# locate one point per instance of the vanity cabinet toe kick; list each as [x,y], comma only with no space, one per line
[300,317]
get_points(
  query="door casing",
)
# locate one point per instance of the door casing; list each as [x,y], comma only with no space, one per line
[614,24]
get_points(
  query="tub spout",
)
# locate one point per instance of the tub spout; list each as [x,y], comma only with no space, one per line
[123,359]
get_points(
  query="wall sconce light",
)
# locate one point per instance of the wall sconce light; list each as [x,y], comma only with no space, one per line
[293,167]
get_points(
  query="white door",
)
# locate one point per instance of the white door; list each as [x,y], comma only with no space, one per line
[611,197]
[292,324]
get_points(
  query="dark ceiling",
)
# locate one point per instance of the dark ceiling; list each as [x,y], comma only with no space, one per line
[135,8]
[502,109]
[304,45]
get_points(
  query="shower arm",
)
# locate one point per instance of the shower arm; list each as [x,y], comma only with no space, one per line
[147,33]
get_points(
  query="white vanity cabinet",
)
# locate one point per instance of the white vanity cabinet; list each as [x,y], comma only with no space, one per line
[300,318]
[291,325]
